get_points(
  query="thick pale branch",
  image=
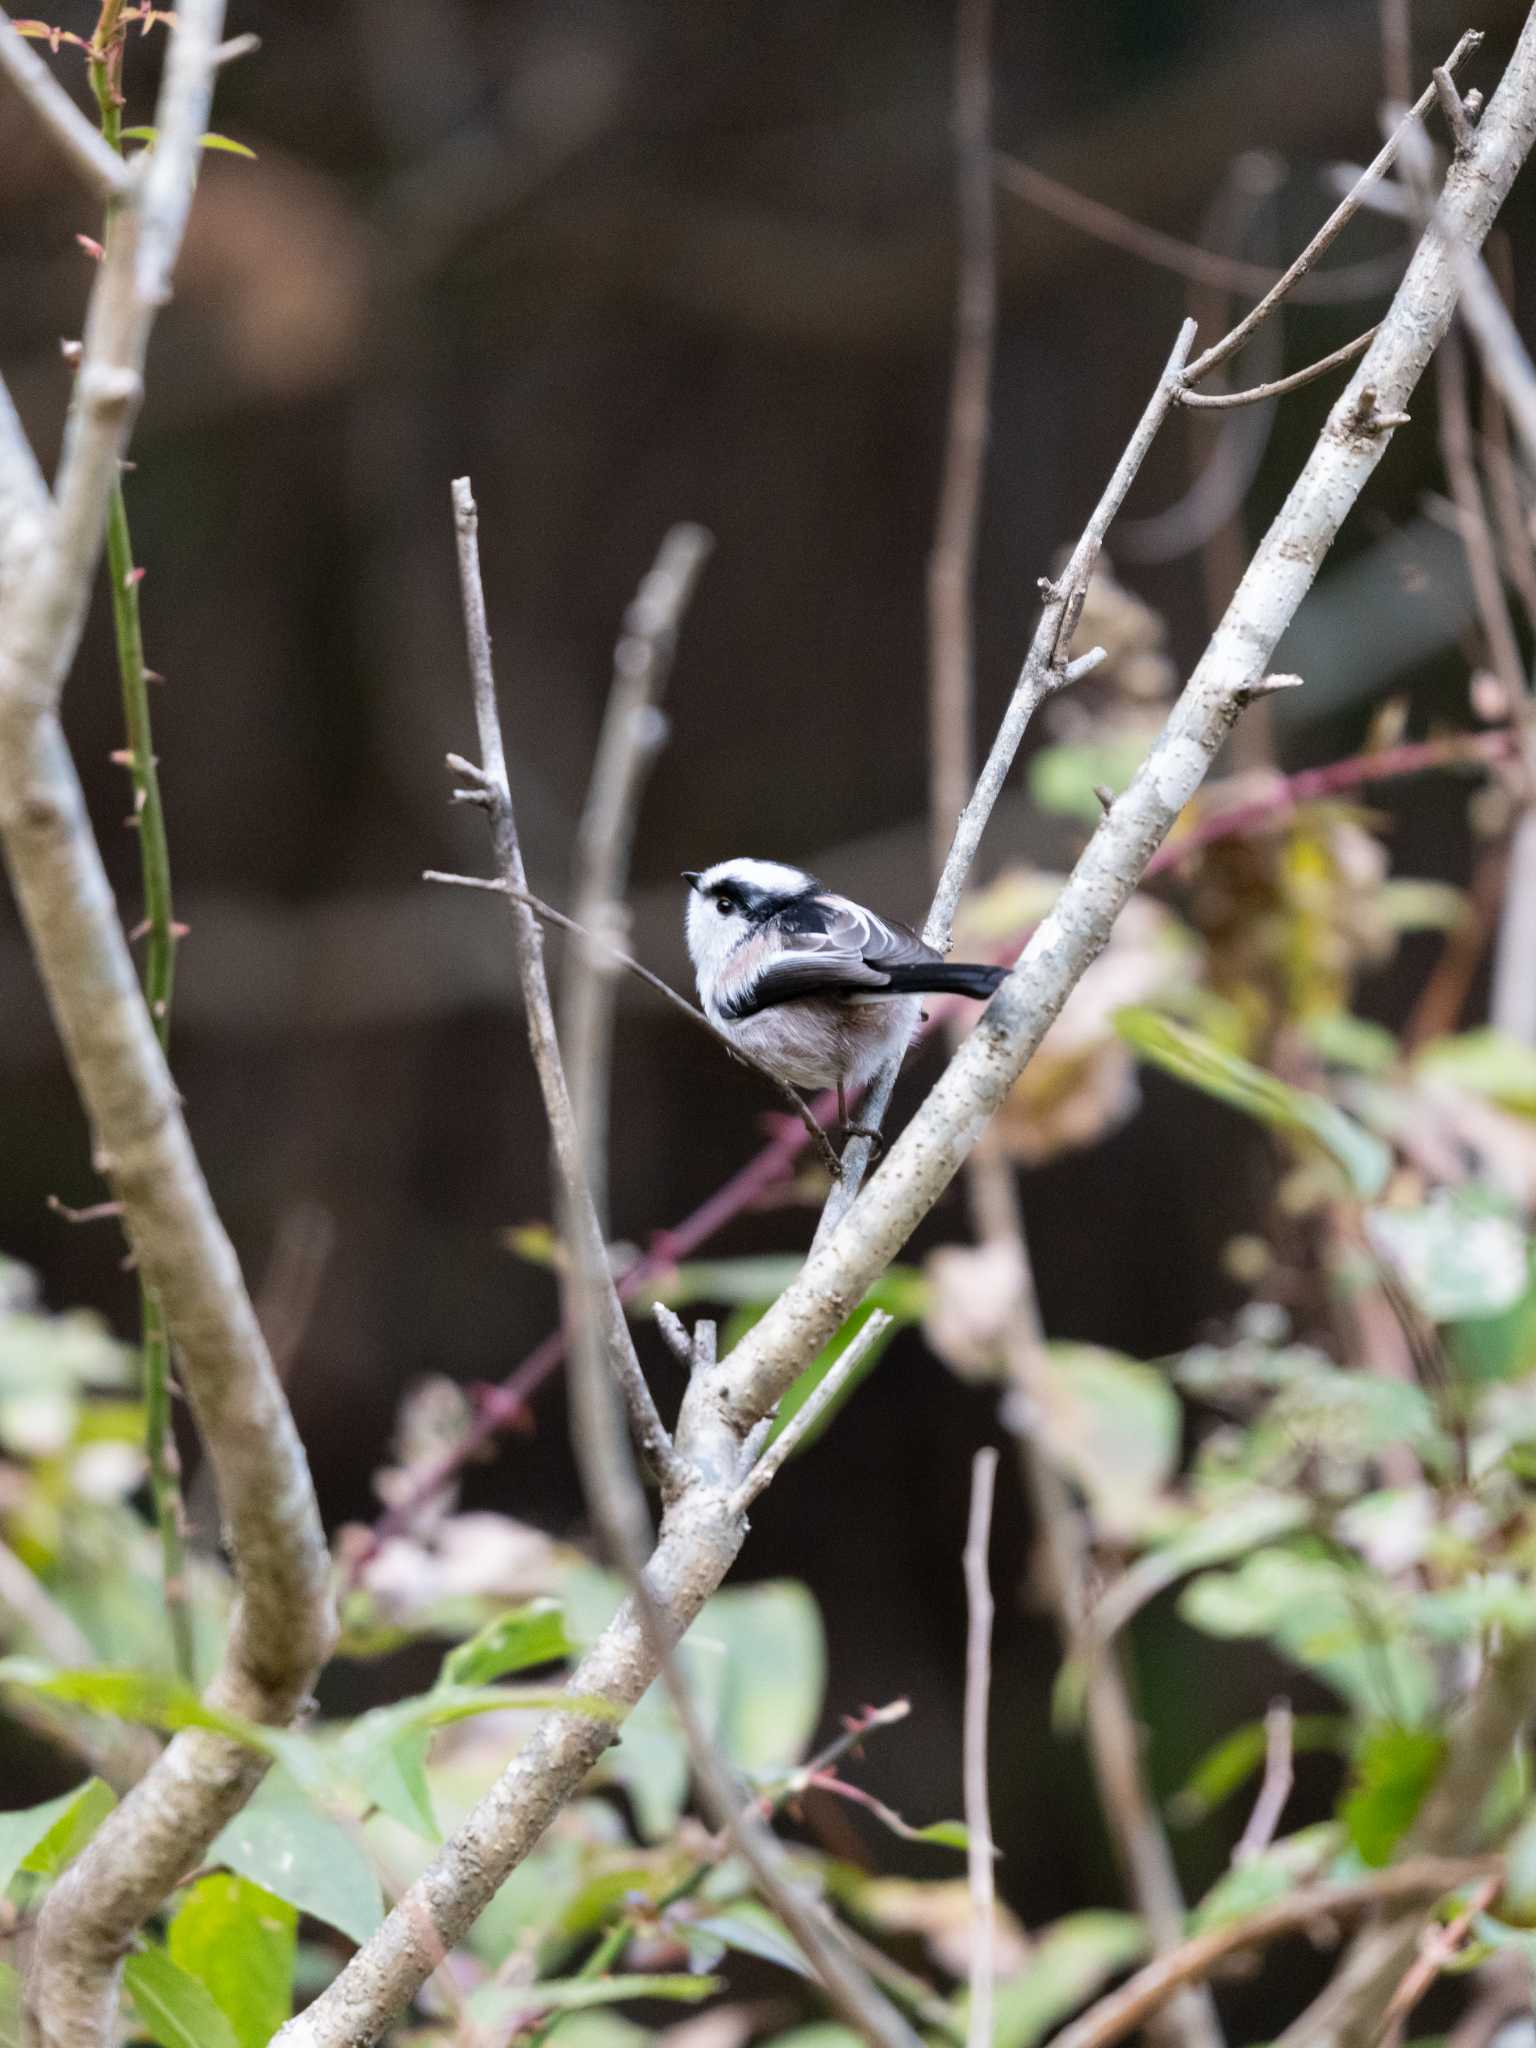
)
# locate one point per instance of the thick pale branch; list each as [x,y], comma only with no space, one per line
[702,1530]
[282,1629]
[930,1150]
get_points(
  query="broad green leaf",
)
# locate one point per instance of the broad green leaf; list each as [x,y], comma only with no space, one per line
[1342,1623]
[238,1941]
[393,1775]
[284,1843]
[174,2008]
[1517,1901]
[523,1636]
[87,1809]
[1115,1424]
[34,1830]
[1065,778]
[753,1931]
[1069,1961]
[1203,1064]
[1487,1063]
[1394,1768]
[146,1696]
[760,1656]
[1460,1255]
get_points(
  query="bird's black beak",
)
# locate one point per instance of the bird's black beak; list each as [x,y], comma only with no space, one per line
[691,877]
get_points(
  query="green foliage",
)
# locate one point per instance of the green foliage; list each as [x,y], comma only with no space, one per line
[282,1843]
[1202,1063]
[1394,1768]
[45,1838]
[173,2008]
[1068,1963]
[238,1941]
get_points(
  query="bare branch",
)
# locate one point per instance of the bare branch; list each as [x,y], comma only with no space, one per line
[978,1689]
[1223,401]
[1184,259]
[1420,1882]
[806,1417]
[1332,228]
[72,134]
[923,1159]
[701,1532]
[1451,106]
[632,730]
[610,952]
[952,563]
[282,1628]
[1279,1778]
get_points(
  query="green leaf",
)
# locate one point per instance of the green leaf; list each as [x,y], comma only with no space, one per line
[1394,1768]
[1065,778]
[1219,1532]
[393,1775]
[284,1843]
[209,141]
[1191,1057]
[1293,1860]
[495,2006]
[752,1930]
[1069,1961]
[1460,1255]
[238,1941]
[33,1831]
[173,2008]
[802,1388]
[1482,1604]
[145,1696]
[759,1655]
[1348,1041]
[523,1636]
[84,1814]
[1115,1423]
[1484,1063]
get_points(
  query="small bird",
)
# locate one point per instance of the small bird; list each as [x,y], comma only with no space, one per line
[819,990]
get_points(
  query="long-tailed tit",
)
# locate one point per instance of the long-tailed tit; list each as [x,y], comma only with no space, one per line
[818,989]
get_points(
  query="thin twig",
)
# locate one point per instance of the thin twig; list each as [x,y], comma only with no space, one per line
[604,1347]
[1279,1778]
[978,1693]
[1044,671]
[549,915]
[1184,259]
[1437,1947]
[1224,401]
[696,1550]
[67,128]
[1418,1882]
[1331,229]
[952,561]
[632,730]
[805,1418]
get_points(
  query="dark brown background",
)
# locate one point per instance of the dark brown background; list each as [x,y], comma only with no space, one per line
[631,261]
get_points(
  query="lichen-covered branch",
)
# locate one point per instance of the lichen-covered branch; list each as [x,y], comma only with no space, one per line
[282,1628]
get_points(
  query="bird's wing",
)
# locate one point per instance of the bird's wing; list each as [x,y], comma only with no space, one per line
[822,945]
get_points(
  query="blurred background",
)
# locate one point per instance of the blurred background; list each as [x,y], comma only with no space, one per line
[627,263]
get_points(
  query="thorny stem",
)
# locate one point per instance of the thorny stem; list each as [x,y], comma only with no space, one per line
[160,924]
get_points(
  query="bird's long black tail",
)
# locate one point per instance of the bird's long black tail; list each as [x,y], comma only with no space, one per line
[947,978]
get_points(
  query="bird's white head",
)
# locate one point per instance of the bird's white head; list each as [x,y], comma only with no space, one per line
[727,900]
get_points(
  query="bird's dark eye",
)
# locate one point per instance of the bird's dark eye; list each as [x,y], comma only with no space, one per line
[723,905]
